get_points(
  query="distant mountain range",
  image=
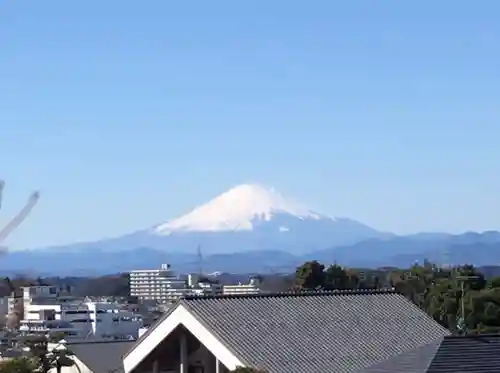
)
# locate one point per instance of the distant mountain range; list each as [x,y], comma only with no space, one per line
[248,217]
[251,228]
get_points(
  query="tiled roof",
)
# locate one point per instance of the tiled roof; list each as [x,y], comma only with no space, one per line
[413,361]
[451,354]
[101,357]
[471,354]
[341,331]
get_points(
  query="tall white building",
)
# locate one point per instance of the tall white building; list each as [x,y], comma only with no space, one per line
[164,286]
[160,285]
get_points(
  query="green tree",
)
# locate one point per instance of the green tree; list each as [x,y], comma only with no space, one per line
[310,276]
[483,311]
[46,360]
[459,298]
[475,281]
[337,277]
[415,283]
[442,302]
[18,365]
[438,291]
[494,282]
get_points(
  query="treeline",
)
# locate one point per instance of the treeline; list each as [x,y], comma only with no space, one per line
[112,285]
[441,292]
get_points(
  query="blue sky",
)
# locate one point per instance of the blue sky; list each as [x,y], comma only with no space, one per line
[127,113]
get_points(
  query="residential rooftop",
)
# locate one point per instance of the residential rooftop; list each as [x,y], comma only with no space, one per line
[339,331]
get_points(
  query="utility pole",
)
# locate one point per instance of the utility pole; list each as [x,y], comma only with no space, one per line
[200,261]
[461,324]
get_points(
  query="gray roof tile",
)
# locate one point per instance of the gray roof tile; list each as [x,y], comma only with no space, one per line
[451,354]
[472,354]
[414,361]
[101,357]
[339,332]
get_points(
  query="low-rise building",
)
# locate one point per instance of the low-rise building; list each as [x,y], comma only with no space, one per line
[253,287]
[78,318]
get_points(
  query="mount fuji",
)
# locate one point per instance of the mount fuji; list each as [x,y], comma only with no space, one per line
[248,217]
[251,228]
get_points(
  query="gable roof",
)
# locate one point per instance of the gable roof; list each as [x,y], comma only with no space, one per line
[102,356]
[471,353]
[339,331]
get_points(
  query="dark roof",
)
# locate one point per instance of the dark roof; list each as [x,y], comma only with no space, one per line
[412,361]
[450,354]
[472,354]
[101,357]
[339,331]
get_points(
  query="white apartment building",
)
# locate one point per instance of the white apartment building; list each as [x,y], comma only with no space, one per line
[253,287]
[74,317]
[164,286]
[161,285]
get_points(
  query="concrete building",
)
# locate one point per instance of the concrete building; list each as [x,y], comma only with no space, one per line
[39,294]
[165,286]
[253,287]
[161,285]
[45,312]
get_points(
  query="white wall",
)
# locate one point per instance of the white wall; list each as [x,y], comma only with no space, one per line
[90,318]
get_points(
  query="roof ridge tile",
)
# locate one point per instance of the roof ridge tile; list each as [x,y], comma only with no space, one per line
[302,293]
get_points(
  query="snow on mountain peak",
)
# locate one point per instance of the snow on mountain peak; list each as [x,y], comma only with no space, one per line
[236,210]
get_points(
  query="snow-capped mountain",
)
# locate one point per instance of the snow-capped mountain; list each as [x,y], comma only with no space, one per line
[251,228]
[240,209]
[248,217]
